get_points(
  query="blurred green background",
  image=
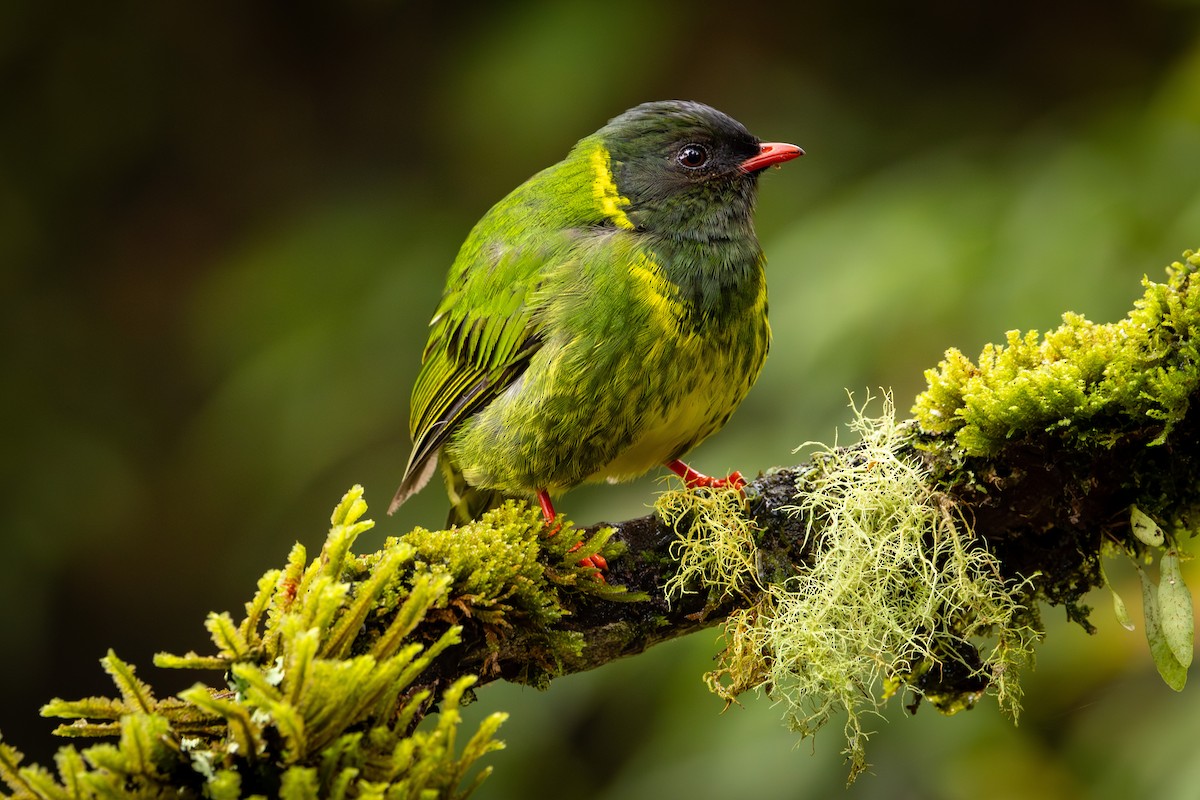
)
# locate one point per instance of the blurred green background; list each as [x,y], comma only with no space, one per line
[224,225]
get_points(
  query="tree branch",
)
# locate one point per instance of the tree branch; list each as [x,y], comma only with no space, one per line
[916,558]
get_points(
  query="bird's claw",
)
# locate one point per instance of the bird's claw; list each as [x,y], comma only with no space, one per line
[732,480]
[594,561]
[698,480]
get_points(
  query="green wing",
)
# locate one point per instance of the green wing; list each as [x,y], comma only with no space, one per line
[489,323]
[484,332]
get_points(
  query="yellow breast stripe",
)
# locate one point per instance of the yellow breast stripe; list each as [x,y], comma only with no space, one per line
[605,190]
[657,291]
[760,300]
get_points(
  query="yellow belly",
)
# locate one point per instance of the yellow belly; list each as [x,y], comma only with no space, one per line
[668,432]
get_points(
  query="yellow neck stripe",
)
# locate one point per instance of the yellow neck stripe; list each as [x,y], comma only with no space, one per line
[605,190]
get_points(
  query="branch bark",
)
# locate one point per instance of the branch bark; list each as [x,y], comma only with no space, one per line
[1015,478]
[1044,509]
[1040,449]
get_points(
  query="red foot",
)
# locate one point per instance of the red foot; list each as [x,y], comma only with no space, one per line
[698,480]
[547,509]
[595,561]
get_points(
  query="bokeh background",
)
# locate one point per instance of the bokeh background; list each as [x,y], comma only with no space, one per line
[223,227]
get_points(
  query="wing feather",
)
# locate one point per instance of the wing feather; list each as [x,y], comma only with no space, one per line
[483,334]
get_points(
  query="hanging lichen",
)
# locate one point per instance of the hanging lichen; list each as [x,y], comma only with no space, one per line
[895,592]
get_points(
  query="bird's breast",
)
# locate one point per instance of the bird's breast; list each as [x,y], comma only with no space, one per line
[631,373]
[690,373]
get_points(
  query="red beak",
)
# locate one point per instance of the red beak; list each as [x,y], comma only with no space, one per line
[769,154]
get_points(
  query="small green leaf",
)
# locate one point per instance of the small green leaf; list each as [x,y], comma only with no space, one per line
[135,692]
[226,636]
[299,783]
[1121,612]
[1169,667]
[1144,528]
[1175,609]
[225,784]
[1119,609]
[351,507]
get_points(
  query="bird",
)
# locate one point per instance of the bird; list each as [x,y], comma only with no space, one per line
[602,319]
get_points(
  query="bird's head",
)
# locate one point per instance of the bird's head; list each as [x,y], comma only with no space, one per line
[686,169]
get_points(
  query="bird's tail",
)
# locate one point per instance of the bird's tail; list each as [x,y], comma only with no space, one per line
[415,478]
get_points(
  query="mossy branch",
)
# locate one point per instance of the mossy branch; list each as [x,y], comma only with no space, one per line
[914,560]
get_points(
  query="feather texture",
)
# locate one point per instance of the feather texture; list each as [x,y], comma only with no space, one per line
[605,317]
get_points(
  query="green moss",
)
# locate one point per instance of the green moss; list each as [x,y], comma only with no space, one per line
[1107,404]
[1084,380]
[334,665]
[504,577]
[327,678]
[492,566]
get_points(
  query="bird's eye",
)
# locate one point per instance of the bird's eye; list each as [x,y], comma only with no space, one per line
[692,156]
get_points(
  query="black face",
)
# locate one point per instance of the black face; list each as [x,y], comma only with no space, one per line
[679,163]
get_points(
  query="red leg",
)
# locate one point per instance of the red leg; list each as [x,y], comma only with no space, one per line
[596,560]
[698,480]
[547,507]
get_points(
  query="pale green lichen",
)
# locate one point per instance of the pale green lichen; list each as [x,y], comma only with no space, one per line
[714,546]
[1143,370]
[895,592]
